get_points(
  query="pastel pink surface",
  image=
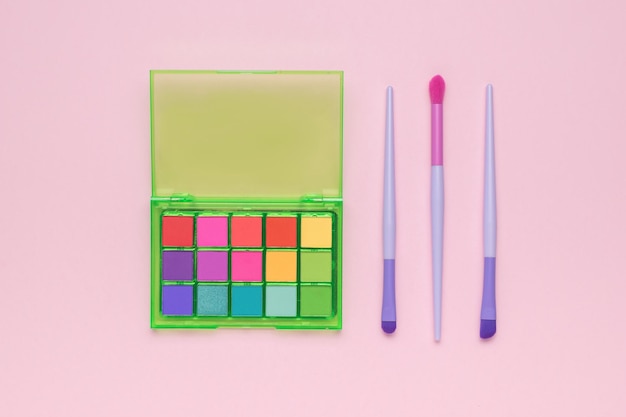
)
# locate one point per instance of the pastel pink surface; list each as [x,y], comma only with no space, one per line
[75,134]
[212,231]
[246,266]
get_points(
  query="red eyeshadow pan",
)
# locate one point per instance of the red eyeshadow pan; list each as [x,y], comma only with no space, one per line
[280,232]
[177,231]
[246,231]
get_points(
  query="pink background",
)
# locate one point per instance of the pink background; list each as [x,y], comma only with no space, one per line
[75,169]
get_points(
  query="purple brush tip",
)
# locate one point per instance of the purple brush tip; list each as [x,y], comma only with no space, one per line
[487,328]
[389,326]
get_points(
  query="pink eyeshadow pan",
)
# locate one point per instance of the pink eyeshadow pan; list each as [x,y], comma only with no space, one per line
[212,231]
[247,266]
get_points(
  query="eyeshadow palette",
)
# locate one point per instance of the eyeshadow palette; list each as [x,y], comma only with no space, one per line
[246,205]
[247,265]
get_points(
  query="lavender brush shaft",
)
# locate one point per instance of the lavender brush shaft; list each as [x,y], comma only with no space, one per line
[436,211]
[389,191]
[489,203]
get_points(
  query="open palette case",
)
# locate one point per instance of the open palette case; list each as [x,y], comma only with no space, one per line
[246,207]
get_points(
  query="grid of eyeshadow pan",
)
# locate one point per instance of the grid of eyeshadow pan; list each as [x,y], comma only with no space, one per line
[247,265]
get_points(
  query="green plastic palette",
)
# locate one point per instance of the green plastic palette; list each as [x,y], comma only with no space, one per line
[246,207]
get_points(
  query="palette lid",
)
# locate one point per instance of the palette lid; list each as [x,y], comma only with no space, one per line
[246,134]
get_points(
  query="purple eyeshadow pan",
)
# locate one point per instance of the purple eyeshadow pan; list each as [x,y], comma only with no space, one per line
[177,265]
[212,266]
[177,300]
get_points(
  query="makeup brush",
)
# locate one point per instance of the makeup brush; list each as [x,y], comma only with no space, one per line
[488,308]
[388,316]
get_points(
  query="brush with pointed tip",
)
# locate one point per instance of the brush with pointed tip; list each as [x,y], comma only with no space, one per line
[437,88]
[488,307]
[388,316]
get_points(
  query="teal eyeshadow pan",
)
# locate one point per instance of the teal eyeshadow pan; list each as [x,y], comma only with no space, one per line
[247,301]
[212,300]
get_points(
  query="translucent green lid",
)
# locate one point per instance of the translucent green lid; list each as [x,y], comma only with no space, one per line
[246,134]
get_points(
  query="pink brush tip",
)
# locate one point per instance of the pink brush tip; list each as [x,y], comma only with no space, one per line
[437,88]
